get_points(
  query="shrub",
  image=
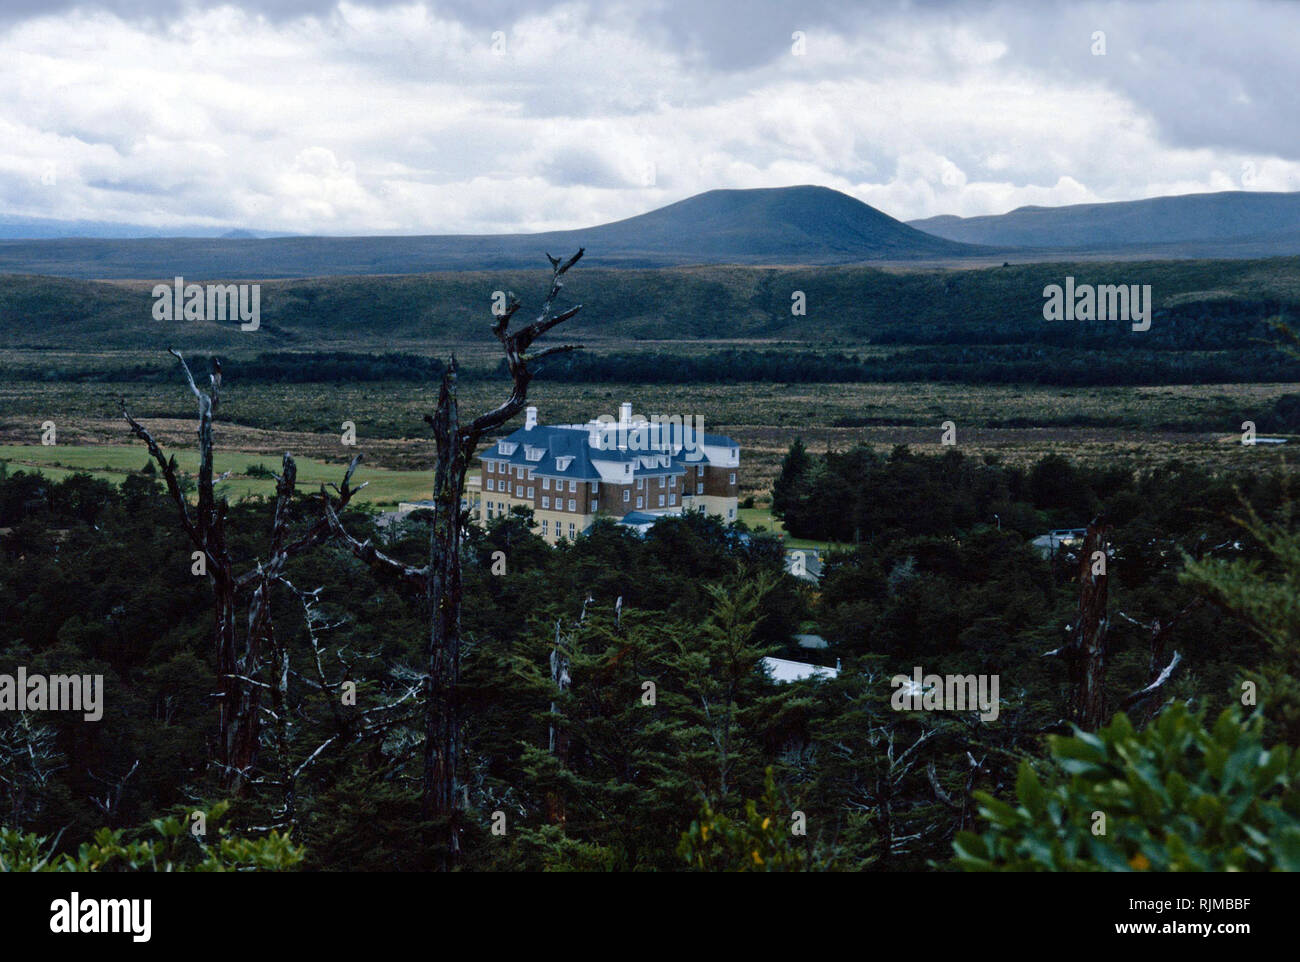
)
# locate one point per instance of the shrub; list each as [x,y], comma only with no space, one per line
[1174,797]
[174,850]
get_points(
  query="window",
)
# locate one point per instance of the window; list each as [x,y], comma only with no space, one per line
[519,490]
[731,512]
[595,486]
[661,481]
[487,466]
[661,500]
[672,482]
[638,503]
[573,485]
[545,527]
[594,506]
[530,492]
[570,530]
[699,489]
[491,484]
[573,505]
[489,510]
[640,484]
[546,484]
[733,478]
[699,470]
[546,503]
[627,495]
[672,499]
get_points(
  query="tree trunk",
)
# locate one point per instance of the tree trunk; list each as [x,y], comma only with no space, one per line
[442,721]
[441,578]
[1086,652]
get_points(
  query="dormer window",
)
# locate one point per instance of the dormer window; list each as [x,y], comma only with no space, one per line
[508,447]
[533,454]
[562,464]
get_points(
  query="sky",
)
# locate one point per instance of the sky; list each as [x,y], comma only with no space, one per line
[309,116]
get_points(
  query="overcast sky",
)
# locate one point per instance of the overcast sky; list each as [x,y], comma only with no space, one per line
[321,117]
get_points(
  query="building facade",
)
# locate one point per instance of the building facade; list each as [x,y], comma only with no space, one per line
[572,474]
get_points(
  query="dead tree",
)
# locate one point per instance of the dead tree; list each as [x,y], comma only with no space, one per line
[292,760]
[558,741]
[112,799]
[455,441]
[1086,650]
[204,524]
[877,789]
[29,759]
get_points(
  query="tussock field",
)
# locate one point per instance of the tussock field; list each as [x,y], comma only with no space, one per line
[1195,423]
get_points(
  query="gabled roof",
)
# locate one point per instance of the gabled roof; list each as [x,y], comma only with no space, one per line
[572,442]
[556,444]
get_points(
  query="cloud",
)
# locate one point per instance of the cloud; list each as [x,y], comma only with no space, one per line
[412,117]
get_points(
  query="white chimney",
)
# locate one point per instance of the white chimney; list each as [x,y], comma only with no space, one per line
[530,418]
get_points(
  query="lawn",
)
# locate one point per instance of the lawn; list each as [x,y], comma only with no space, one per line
[762,517]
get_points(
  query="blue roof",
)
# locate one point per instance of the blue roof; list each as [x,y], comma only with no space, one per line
[573,443]
[555,443]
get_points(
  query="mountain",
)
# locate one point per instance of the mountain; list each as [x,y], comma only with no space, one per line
[787,225]
[1230,223]
[44,228]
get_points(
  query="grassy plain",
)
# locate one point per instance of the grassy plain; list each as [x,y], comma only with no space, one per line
[1196,423]
[114,462]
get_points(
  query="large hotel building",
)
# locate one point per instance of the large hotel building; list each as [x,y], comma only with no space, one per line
[631,469]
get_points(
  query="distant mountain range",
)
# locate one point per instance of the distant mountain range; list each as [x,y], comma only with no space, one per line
[1255,223]
[788,226]
[42,228]
[792,225]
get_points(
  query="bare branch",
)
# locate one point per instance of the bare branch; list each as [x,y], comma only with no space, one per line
[1161,680]
[373,557]
[168,468]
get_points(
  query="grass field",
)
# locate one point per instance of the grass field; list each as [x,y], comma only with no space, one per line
[114,462]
